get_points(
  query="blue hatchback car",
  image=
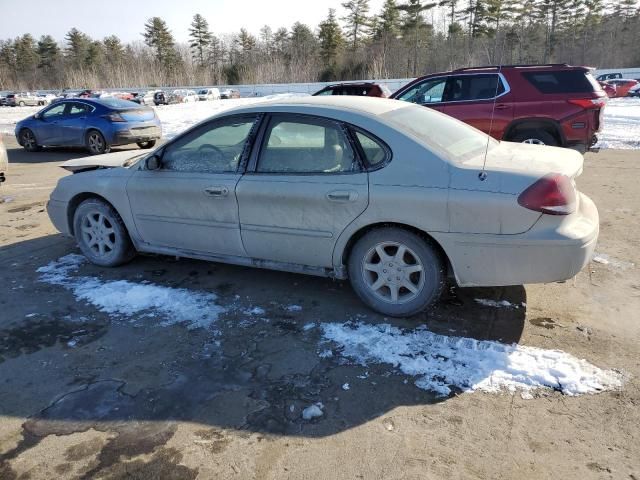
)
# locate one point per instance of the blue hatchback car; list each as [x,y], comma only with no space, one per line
[97,124]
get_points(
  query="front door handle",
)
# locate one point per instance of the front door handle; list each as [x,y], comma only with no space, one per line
[216,191]
[342,196]
[502,106]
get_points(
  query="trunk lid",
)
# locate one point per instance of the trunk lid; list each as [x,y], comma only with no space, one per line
[137,114]
[512,167]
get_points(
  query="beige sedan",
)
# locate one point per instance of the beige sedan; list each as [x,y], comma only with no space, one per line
[393,196]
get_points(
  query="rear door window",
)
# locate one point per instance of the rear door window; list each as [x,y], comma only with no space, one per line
[567,81]
[462,88]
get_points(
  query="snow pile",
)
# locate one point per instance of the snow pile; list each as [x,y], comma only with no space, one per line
[313,411]
[486,302]
[441,362]
[621,124]
[125,298]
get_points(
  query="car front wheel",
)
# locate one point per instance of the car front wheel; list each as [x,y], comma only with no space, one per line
[28,140]
[396,272]
[101,234]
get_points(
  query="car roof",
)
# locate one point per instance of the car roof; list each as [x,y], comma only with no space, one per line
[502,68]
[367,105]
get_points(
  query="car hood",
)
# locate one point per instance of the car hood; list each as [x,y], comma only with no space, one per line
[512,167]
[108,160]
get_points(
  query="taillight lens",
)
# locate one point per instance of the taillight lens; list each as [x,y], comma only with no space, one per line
[589,102]
[114,117]
[553,194]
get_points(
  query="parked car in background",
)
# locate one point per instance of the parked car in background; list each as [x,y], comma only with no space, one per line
[160,98]
[229,93]
[622,85]
[136,97]
[209,94]
[4,162]
[23,99]
[556,104]
[182,96]
[362,89]
[608,88]
[608,76]
[3,100]
[97,124]
[390,193]
[146,98]
[45,98]
[634,91]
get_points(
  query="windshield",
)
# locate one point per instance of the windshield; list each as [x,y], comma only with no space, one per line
[457,141]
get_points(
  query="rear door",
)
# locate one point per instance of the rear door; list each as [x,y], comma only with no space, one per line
[190,202]
[429,92]
[73,123]
[480,100]
[305,187]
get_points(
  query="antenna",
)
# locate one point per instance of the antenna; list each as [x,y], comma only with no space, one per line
[483,174]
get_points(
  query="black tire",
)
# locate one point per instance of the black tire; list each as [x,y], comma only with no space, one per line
[21,104]
[28,141]
[96,143]
[536,137]
[148,144]
[428,282]
[101,234]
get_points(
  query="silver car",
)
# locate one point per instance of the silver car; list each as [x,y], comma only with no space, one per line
[396,197]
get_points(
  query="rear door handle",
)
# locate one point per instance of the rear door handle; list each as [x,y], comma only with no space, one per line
[216,191]
[342,196]
[502,106]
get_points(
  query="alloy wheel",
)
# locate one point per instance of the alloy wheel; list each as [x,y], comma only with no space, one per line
[393,272]
[96,142]
[28,140]
[98,233]
[534,141]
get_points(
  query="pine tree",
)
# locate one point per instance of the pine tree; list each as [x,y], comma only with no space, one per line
[77,48]
[200,38]
[158,36]
[412,23]
[302,43]
[27,58]
[48,52]
[357,21]
[331,39]
[113,49]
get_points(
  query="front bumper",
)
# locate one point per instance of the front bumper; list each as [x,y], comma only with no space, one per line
[554,249]
[57,211]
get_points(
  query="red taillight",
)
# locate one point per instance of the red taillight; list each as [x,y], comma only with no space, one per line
[589,102]
[553,194]
[114,117]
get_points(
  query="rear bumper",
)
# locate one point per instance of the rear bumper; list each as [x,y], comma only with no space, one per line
[57,212]
[133,135]
[554,249]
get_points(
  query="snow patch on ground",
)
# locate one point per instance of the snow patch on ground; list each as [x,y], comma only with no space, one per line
[621,124]
[605,259]
[496,303]
[122,298]
[313,411]
[441,363]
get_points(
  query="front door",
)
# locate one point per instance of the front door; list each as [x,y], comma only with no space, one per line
[47,129]
[306,188]
[190,202]
[429,93]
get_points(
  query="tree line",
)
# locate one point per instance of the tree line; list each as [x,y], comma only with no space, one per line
[404,39]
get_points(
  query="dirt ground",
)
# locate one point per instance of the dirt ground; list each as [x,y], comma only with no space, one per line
[84,395]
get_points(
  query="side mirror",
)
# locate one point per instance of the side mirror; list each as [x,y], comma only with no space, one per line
[152,163]
[37,116]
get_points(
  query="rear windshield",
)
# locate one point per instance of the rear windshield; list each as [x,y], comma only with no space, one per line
[117,103]
[567,81]
[457,141]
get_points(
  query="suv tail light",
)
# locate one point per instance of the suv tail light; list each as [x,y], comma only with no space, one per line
[589,102]
[553,194]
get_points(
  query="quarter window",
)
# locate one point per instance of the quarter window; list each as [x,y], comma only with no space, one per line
[211,148]
[374,152]
[306,146]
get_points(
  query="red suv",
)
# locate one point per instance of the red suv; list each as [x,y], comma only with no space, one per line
[361,89]
[543,104]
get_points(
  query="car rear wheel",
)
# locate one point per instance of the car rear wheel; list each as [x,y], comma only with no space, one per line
[21,104]
[396,272]
[96,144]
[536,137]
[101,234]
[149,144]
[28,140]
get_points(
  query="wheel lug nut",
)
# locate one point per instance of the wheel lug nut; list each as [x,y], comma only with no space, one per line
[384,271]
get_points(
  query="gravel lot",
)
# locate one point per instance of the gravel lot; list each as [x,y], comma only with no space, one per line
[88,394]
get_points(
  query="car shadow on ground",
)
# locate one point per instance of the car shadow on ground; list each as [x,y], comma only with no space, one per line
[18,154]
[69,367]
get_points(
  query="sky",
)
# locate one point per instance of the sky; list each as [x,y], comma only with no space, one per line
[126,18]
